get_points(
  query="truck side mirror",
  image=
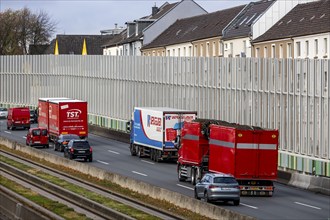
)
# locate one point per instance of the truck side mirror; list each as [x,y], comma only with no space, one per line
[128,126]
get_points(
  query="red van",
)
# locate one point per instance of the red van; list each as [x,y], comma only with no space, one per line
[37,137]
[18,117]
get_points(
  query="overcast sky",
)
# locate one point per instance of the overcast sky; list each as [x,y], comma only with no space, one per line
[91,16]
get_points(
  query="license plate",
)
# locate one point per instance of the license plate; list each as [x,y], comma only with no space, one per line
[37,142]
[81,151]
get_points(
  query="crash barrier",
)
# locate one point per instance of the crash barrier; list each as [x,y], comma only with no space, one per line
[313,183]
[189,203]
[18,207]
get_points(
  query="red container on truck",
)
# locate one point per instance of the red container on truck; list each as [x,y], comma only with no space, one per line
[43,110]
[248,153]
[65,116]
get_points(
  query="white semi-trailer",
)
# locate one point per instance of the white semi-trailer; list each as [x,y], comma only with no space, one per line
[154,129]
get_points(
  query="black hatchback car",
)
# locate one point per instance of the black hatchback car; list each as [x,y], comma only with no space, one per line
[77,149]
[62,141]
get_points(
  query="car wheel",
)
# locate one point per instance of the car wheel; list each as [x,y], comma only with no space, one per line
[30,143]
[85,159]
[236,202]
[91,159]
[55,148]
[195,194]
[206,197]
[61,148]
[70,156]
[47,146]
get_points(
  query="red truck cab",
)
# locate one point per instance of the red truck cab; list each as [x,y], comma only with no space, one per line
[37,137]
[18,118]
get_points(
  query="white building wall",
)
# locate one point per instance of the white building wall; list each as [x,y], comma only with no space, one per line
[185,9]
[113,51]
[180,50]
[239,47]
[277,11]
[312,46]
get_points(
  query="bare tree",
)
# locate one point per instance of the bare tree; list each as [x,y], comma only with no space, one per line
[19,29]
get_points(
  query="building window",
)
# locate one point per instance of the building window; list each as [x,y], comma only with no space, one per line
[273,51]
[325,46]
[307,48]
[298,49]
[179,50]
[195,51]
[244,46]
[201,52]
[265,52]
[213,49]
[281,50]
[173,52]
[316,46]
[190,51]
[289,50]
[257,52]
[221,49]
[232,49]
[168,53]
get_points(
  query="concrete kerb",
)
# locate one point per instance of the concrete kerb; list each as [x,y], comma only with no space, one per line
[208,210]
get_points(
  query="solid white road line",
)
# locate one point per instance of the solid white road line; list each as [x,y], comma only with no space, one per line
[250,206]
[24,137]
[114,152]
[142,174]
[8,132]
[310,206]
[186,187]
[145,161]
[102,162]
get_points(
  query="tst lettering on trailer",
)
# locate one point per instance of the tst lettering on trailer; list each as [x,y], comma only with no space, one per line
[73,113]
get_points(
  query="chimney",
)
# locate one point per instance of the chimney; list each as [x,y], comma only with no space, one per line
[154,10]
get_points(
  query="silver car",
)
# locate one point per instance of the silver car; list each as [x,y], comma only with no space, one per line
[3,112]
[218,187]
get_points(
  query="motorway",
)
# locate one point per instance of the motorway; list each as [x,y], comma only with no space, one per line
[287,202]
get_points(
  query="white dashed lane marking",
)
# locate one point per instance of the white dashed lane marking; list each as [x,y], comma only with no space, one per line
[310,206]
[102,162]
[142,174]
[114,152]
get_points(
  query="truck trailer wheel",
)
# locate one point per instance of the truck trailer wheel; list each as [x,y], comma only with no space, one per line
[193,176]
[132,149]
[180,177]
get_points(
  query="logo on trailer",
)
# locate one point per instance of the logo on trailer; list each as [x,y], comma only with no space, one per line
[73,113]
[151,120]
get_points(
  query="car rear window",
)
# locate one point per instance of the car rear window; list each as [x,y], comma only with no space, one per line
[224,180]
[36,132]
[70,137]
[44,132]
[84,145]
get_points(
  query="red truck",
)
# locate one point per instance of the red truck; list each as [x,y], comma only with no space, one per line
[63,116]
[248,153]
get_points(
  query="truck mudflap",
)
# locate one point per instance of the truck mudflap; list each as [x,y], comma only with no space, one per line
[256,188]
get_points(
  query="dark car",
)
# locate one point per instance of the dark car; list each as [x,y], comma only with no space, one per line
[33,116]
[218,187]
[62,141]
[79,149]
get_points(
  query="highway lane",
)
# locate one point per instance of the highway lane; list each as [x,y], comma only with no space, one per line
[287,203]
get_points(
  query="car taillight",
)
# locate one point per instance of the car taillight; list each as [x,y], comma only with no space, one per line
[213,186]
[91,149]
[71,150]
